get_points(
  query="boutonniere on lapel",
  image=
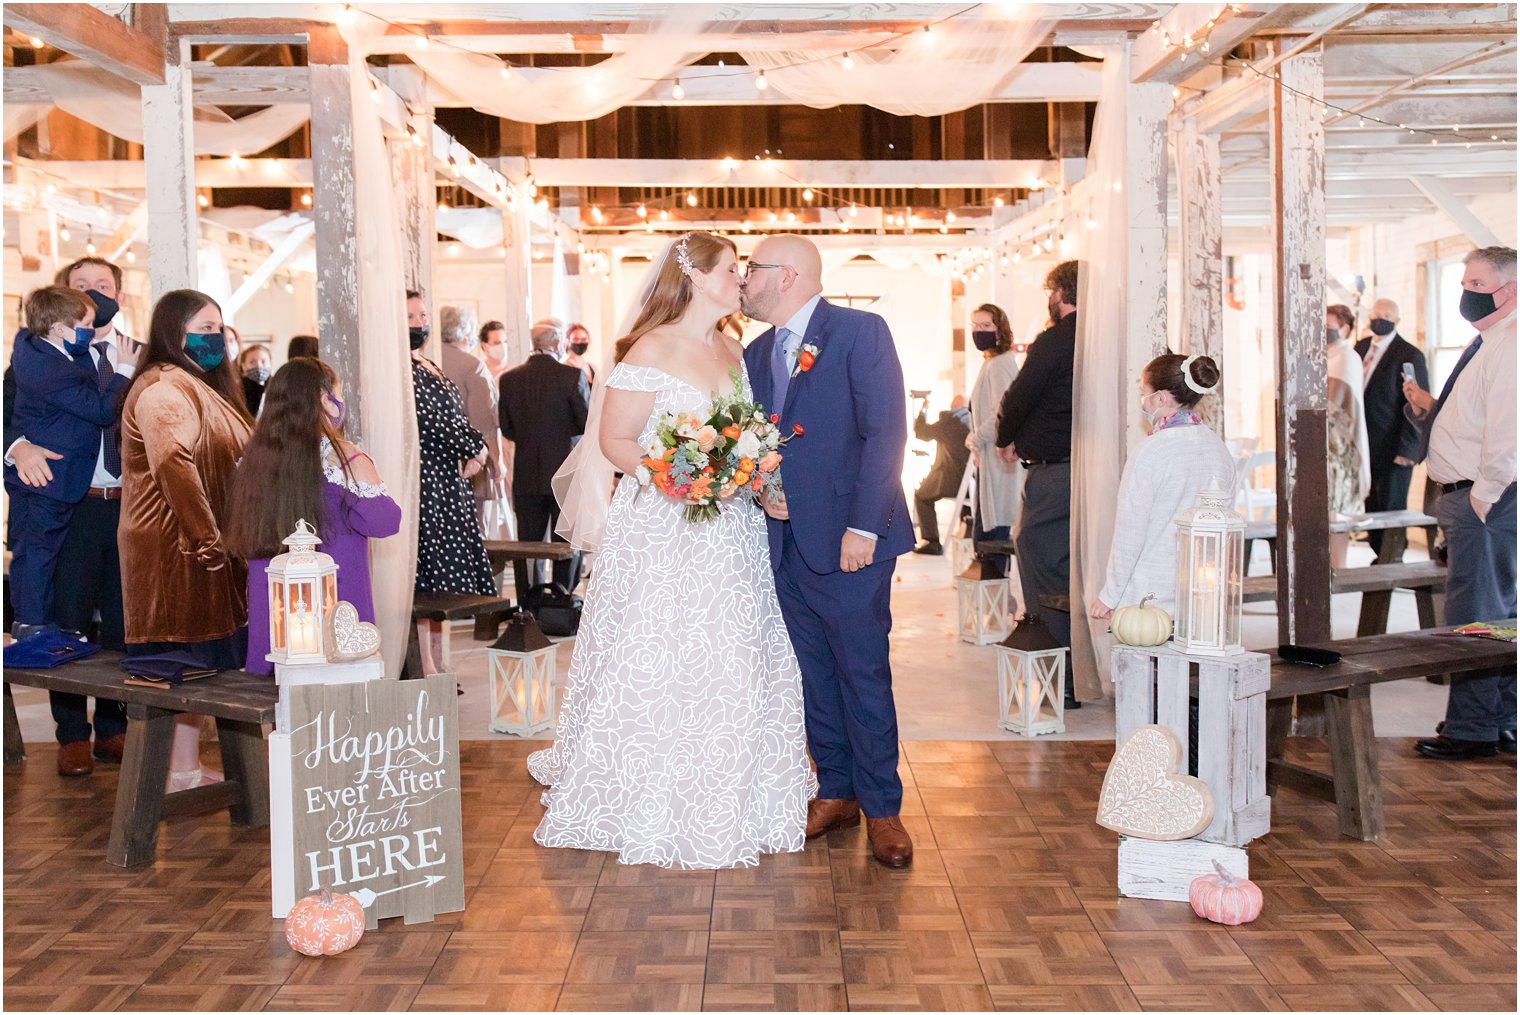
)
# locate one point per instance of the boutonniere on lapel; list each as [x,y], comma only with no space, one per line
[806,357]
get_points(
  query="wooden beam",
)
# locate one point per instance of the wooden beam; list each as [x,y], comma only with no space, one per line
[283,251]
[1455,209]
[1172,49]
[1298,233]
[1147,107]
[82,30]
[411,158]
[1201,218]
[127,233]
[332,163]
[783,172]
[169,172]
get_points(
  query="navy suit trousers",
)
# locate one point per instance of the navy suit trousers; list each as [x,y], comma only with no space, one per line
[34,530]
[838,625]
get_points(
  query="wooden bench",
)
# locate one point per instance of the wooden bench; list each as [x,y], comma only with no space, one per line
[445,607]
[1353,782]
[519,554]
[242,704]
[1376,583]
[1395,523]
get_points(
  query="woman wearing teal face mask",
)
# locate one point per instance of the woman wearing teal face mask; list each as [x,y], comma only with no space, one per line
[183,427]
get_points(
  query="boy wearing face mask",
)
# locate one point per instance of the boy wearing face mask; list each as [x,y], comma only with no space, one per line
[254,363]
[62,403]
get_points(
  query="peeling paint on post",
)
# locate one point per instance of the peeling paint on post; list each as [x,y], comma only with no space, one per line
[333,205]
[169,157]
[412,174]
[1202,260]
[1145,184]
[1298,223]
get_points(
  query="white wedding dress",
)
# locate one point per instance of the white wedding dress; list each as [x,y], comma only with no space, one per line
[680,735]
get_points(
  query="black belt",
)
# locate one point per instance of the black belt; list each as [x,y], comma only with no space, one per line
[1454,487]
[1044,461]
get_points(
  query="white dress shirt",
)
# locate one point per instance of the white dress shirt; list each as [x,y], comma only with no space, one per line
[797,324]
[1474,436]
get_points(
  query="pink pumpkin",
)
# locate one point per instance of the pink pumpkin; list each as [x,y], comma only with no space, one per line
[1224,898]
[325,924]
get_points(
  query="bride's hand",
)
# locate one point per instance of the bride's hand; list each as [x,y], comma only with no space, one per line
[775,506]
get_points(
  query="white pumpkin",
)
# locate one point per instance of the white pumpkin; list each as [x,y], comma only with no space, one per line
[1141,625]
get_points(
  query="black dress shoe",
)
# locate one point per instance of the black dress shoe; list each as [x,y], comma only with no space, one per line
[929,549]
[1506,741]
[1444,748]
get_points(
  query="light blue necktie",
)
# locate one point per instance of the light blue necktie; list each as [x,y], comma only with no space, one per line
[781,368]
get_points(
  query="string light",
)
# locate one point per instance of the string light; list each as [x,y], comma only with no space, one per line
[596,215]
[203,200]
[422,42]
[760,83]
[306,200]
[744,226]
[642,212]
[678,92]
[37,43]
[807,195]
[290,286]
[848,62]
[997,202]
[89,243]
[691,199]
[131,257]
[505,72]
[854,211]
[664,215]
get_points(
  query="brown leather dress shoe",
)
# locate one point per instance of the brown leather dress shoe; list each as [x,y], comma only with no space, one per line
[890,843]
[824,815]
[111,748]
[74,759]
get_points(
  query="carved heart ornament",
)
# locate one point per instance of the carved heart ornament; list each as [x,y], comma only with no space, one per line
[1144,797]
[352,637]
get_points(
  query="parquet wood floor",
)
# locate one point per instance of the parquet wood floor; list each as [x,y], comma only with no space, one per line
[1010,905]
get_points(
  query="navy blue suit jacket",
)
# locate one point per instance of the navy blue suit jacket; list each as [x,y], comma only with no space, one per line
[845,471]
[60,406]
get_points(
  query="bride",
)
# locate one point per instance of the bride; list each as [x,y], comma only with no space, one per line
[680,736]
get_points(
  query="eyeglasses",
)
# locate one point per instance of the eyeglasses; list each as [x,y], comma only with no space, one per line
[752,265]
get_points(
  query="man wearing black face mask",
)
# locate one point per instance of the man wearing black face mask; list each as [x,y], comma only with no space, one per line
[1469,449]
[1392,440]
[88,576]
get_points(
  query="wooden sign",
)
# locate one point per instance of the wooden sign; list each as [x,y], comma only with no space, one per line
[365,788]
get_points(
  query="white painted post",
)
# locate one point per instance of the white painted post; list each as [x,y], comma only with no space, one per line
[517,237]
[1147,108]
[333,203]
[169,154]
[1199,187]
[1297,140]
[412,173]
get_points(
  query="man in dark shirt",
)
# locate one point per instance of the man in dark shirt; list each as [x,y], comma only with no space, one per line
[944,479]
[1034,425]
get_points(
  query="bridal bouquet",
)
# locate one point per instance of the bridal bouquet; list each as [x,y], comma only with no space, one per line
[704,461]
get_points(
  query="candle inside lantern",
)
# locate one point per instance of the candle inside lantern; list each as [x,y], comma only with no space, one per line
[303,630]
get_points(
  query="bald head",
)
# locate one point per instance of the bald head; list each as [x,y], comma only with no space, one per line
[785,272]
[1385,310]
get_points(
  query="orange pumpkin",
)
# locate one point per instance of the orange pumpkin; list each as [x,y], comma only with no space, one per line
[1224,898]
[325,924]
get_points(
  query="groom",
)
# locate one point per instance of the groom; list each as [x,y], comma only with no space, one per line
[832,373]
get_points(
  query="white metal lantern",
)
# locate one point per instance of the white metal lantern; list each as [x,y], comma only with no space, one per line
[982,615]
[523,667]
[1032,680]
[1210,575]
[303,592]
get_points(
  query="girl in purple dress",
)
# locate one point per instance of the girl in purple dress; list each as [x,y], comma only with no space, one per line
[297,465]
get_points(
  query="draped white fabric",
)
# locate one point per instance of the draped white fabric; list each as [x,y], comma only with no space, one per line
[954,66]
[1100,396]
[390,425]
[21,115]
[476,228]
[114,105]
[569,93]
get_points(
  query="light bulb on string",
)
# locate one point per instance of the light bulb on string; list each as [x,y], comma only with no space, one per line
[641,212]
[949,216]
[997,202]
[37,43]
[422,42]
[844,226]
[774,216]
[505,72]
[306,200]
[691,199]
[848,62]
[203,200]
[760,83]
[791,216]
[807,194]
[664,215]
[290,287]
[744,226]
[596,215]
[131,257]
[854,211]
[89,243]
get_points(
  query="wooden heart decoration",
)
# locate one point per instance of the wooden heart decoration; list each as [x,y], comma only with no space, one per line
[352,637]
[1144,797]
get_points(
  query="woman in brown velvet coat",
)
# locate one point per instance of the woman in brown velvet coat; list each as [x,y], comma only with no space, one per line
[183,427]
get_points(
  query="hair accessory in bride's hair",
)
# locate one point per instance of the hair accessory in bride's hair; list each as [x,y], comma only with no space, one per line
[682,257]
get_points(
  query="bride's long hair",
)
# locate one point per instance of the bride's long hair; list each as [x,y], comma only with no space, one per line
[670,294]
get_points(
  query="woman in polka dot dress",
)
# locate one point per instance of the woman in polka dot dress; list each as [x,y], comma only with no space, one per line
[451,554]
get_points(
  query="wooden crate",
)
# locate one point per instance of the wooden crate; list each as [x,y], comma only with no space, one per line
[1159,685]
[1165,870]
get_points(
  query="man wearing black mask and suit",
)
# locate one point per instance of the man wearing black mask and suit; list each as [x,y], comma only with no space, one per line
[543,404]
[1393,441]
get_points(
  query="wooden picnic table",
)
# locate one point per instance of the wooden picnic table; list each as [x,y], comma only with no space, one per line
[1396,523]
[242,704]
[1353,782]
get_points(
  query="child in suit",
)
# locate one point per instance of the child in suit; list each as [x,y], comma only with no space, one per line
[60,404]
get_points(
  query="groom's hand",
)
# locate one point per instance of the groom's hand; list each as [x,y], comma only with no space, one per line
[855,551]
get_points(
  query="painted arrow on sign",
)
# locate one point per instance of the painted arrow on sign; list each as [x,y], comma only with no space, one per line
[367,898]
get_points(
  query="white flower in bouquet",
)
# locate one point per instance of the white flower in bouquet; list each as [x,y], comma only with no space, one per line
[748,445]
